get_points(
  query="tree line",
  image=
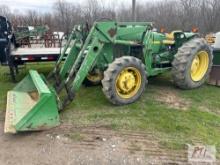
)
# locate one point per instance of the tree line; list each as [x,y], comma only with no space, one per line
[167,14]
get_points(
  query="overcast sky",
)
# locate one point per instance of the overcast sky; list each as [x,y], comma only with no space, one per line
[39,5]
[46,5]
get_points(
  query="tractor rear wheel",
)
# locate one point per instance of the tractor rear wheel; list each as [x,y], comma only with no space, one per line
[124,80]
[192,64]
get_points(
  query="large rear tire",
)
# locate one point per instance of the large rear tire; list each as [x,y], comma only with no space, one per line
[124,80]
[192,64]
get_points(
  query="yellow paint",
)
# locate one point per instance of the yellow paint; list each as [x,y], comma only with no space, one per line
[168,42]
[156,42]
[128,82]
[199,65]
[170,36]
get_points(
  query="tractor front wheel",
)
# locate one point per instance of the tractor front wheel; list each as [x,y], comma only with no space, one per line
[192,64]
[124,80]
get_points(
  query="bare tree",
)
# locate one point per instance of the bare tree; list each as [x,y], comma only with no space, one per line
[62,14]
[169,14]
[5,11]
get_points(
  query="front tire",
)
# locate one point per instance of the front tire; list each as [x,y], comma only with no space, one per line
[192,64]
[124,80]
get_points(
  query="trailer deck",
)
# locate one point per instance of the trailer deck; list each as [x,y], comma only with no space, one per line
[35,51]
[35,54]
[21,56]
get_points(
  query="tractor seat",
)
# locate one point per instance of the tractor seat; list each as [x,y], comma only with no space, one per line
[170,36]
[169,39]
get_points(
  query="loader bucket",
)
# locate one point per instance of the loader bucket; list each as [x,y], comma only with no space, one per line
[31,105]
[214,76]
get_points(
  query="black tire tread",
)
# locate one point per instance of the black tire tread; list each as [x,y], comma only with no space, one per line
[111,73]
[181,59]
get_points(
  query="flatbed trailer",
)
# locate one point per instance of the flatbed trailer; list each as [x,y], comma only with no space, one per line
[20,56]
[35,54]
[11,55]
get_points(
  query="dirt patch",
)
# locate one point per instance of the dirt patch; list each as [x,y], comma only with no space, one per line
[171,99]
[88,145]
[213,111]
[112,147]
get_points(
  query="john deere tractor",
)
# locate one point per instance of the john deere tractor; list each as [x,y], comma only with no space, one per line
[119,55]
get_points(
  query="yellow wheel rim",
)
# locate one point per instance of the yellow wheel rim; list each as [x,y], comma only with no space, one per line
[95,77]
[128,82]
[199,65]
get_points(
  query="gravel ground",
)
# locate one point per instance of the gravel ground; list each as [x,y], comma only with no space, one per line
[91,145]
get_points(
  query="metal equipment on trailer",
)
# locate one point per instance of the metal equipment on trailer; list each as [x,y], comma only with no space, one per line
[21,56]
[121,55]
[23,34]
[12,56]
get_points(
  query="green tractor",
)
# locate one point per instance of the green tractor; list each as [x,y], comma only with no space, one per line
[121,56]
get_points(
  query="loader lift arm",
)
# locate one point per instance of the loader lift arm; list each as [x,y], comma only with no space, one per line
[82,56]
[81,62]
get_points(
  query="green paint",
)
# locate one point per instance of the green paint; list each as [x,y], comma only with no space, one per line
[31,112]
[216,57]
[90,50]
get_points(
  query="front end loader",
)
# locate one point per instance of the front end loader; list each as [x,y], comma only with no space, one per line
[121,56]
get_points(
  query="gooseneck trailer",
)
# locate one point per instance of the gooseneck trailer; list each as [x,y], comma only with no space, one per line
[12,56]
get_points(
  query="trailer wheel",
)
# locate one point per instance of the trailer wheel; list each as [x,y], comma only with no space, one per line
[192,64]
[124,80]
